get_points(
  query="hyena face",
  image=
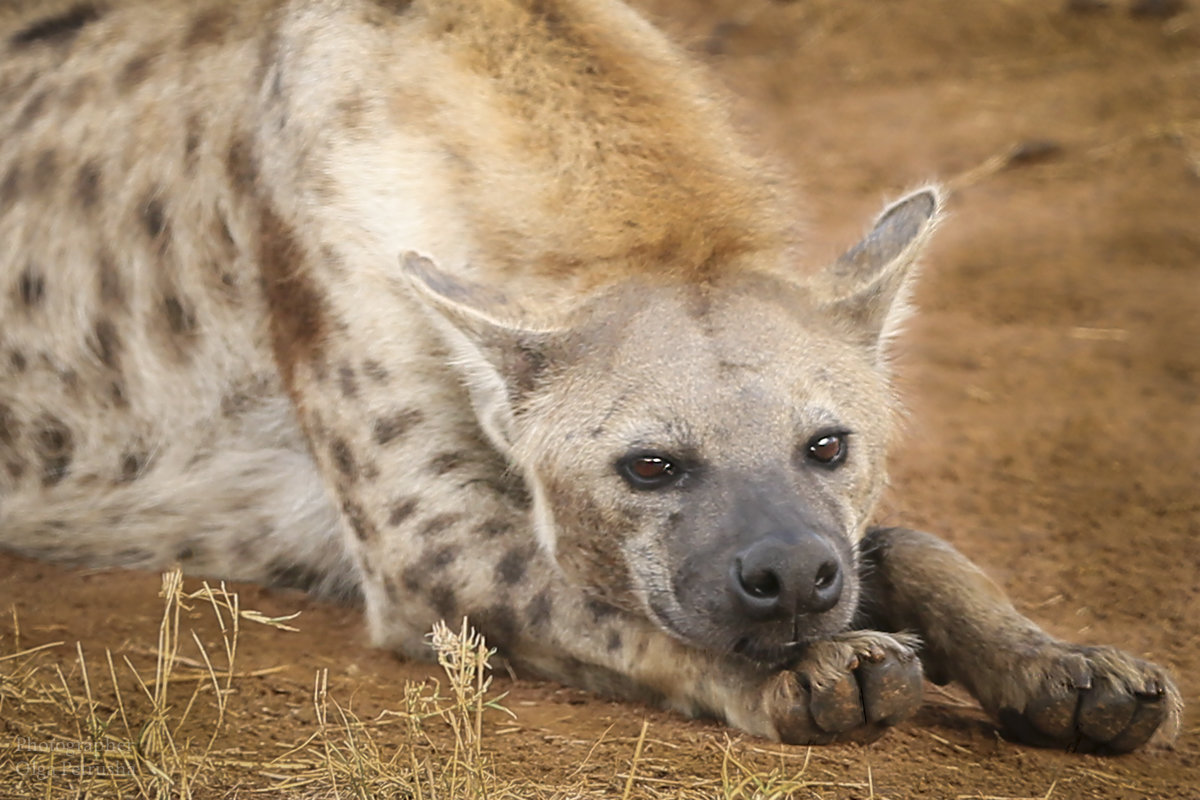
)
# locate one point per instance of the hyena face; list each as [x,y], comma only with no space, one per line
[703,454]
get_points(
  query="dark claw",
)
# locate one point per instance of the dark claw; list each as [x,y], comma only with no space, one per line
[838,708]
[891,690]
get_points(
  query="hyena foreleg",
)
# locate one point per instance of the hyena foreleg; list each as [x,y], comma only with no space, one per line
[1041,690]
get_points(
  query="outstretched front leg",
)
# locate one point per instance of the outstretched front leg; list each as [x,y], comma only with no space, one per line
[1041,690]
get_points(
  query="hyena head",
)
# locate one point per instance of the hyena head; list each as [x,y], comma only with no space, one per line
[702,453]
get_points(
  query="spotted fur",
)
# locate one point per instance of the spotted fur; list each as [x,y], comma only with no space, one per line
[379,298]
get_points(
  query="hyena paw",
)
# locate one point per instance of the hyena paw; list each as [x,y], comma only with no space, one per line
[850,688]
[1090,699]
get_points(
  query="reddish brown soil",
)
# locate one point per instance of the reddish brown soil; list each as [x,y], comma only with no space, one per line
[1053,377]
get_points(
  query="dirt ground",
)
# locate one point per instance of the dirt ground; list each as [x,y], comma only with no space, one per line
[1053,377]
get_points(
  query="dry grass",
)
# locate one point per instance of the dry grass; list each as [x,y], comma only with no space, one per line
[144,732]
[179,720]
[439,752]
[155,723]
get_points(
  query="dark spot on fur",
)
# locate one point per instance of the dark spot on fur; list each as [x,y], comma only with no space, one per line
[111,293]
[45,170]
[17,361]
[395,6]
[512,487]
[351,110]
[31,286]
[116,393]
[413,576]
[208,27]
[363,528]
[538,610]
[226,236]
[298,314]
[135,71]
[10,426]
[87,185]
[15,468]
[343,459]
[370,471]
[69,378]
[401,510]
[133,464]
[180,319]
[293,576]
[614,641]
[10,185]
[154,217]
[320,370]
[191,139]
[498,624]
[375,371]
[446,462]
[438,524]
[58,29]
[241,165]
[493,528]
[443,557]
[55,447]
[106,344]
[388,429]
[511,568]
[393,591]
[599,609]
[444,601]
[241,400]
[31,110]
[347,381]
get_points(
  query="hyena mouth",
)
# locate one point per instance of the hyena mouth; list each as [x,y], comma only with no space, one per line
[771,656]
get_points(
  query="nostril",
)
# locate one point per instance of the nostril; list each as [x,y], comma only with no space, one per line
[761,584]
[827,588]
[827,575]
[758,586]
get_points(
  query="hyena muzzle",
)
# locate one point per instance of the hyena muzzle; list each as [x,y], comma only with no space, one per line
[480,308]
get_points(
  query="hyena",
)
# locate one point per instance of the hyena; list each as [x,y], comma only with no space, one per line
[482,308]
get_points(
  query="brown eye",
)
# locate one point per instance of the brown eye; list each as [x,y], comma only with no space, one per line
[826,449]
[648,471]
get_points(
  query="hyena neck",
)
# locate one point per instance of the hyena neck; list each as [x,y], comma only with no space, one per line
[624,150]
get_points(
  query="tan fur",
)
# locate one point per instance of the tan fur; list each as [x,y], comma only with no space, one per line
[380,297]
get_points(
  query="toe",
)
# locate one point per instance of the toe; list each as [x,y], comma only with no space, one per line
[1151,712]
[1105,711]
[837,708]
[1052,713]
[891,689]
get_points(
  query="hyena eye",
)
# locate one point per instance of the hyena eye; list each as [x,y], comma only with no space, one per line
[827,449]
[648,471]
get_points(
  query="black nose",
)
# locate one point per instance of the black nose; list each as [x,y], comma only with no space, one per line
[776,579]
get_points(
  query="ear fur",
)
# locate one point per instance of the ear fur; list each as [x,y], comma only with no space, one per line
[868,287]
[500,361]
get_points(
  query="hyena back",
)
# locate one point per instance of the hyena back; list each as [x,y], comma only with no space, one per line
[482,309]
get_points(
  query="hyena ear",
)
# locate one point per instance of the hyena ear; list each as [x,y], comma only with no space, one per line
[500,361]
[867,289]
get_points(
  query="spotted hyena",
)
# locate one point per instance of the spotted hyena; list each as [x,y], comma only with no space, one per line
[480,308]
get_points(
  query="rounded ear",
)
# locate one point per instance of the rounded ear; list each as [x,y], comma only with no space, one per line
[868,287]
[500,361]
